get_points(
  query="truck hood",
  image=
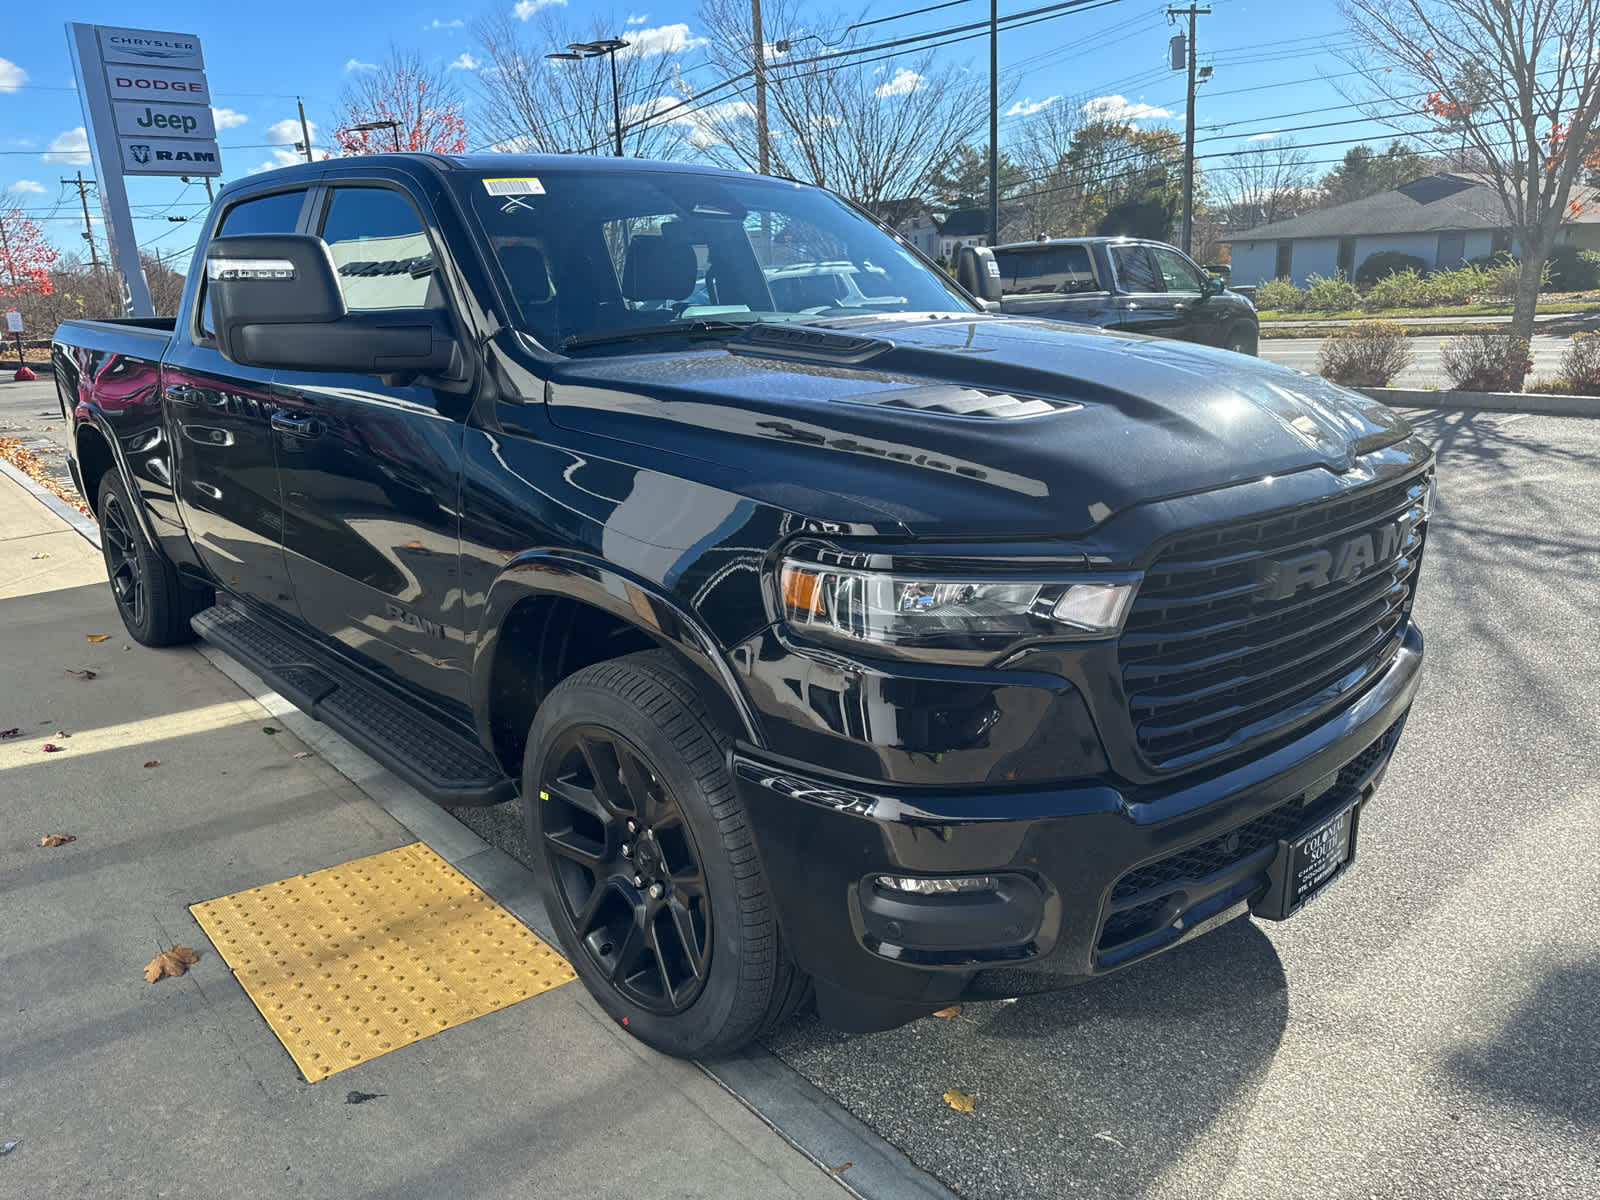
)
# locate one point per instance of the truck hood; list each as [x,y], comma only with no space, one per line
[966,425]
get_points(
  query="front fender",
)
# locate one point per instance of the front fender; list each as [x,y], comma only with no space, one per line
[636,601]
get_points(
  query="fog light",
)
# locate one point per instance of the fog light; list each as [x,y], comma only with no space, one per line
[939,887]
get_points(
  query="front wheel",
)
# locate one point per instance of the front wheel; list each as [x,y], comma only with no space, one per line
[649,869]
[154,603]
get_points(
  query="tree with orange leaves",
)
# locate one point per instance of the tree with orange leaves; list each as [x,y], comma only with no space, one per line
[25,256]
[1503,82]
[412,106]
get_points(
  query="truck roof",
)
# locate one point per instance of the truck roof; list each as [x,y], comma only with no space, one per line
[1045,243]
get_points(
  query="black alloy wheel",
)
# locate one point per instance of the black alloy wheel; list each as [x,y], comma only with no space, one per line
[119,540]
[627,870]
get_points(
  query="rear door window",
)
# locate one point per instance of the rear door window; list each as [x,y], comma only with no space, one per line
[380,250]
[1136,269]
[276,213]
[1050,269]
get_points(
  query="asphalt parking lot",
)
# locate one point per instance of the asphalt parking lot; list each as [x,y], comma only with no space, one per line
[1430,1026]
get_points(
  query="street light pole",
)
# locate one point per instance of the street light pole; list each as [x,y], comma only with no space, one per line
[762,155]
[1186,229]
[577,51]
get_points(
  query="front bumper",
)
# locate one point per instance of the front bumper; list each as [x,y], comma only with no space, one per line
[1093,877]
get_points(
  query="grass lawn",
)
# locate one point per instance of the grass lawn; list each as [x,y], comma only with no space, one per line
[1586,304]
[1270,333]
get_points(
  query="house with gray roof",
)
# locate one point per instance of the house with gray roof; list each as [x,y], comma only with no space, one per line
[1442,219]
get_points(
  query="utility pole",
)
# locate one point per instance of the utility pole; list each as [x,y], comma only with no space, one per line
[305,130]
[994,122]
[83,186]
[1186,234]
[761,87]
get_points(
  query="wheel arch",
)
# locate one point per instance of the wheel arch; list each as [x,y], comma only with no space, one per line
[550,614]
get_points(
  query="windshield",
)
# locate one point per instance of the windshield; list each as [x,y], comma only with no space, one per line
[590,253]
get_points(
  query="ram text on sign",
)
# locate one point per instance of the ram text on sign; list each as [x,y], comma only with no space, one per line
[157,83]
[149,47]
[168,156]
[141,119]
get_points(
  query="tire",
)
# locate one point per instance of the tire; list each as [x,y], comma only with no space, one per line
[670,925]
[154,603]
[1242,339]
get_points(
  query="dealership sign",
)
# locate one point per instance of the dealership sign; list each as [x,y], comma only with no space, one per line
[147,110]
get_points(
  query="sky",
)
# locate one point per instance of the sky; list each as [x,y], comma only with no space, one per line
[1276,67]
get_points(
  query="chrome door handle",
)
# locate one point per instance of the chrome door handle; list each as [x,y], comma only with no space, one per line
[180,393]
[299,426]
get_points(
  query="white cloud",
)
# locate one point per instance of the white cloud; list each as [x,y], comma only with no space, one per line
[1120,109]
[663,39]
[355,64]
[227,118]
[71,147]
[902,83]
[465,63]
[1263,137]
[1027,107]
[287,132]
[526,8]
[11,76]
[435,25]
[521,144]
[27,187]
[635,19]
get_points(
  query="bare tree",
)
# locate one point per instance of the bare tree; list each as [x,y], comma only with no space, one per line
[421,100]
[533,105]
[1049,200]
[1517,82]
[1272,181]
[871,130]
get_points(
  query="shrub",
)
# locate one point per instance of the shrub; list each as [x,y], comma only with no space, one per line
[1455,287]
[1365,354]
[1331,295]
[1280,294]
[1387,262]
[1570,269]
[1580,364]
[1403,289]
[1486,362]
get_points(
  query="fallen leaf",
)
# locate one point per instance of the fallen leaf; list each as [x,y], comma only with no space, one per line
[269,729]
[303,754]
[85,673]
[961,1101]
[154,762]
[98,637]
[52,748]
[8,733]
[1105,1136]
[173,962]
[361,1097]
[953,1011]
[56,839]
[840,1169]
[413,545]
[41,554]
[60,733]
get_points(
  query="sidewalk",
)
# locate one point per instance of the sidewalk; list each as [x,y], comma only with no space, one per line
[117,1087]
[1341,322]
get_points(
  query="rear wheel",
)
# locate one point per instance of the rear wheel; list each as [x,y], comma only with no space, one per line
[154,603]
[649,870]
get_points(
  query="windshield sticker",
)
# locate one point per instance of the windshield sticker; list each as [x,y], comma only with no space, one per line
[514,187]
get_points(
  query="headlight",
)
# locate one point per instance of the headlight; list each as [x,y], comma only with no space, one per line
[914,612]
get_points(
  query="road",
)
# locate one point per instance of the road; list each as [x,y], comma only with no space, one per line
[1427,1027]
[1426,369]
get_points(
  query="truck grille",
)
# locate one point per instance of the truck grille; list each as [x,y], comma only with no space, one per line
[1212,660]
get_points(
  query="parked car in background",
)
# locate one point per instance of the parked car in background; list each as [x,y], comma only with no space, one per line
[1117,283]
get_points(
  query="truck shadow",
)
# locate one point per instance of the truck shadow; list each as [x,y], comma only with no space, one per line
[1106,1084]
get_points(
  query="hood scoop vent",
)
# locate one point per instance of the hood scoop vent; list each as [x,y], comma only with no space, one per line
[808,343]
[954,400]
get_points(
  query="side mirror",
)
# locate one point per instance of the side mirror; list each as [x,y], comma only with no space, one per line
[276,304]
[978,272]
[1215,285]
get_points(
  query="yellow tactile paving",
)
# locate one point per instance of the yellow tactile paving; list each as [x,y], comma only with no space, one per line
[351,962]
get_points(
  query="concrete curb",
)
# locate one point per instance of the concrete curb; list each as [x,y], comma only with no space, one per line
[84,525]
[1520,402]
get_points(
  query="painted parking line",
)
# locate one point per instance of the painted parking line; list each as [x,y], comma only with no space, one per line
[354,961]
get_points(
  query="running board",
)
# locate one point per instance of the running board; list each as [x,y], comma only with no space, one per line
[440,763]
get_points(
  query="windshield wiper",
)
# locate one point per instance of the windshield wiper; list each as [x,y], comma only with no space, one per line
[639,333]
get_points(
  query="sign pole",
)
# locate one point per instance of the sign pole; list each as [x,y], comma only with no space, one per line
[107,155]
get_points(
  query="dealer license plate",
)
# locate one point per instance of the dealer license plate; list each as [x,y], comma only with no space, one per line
[1318,856]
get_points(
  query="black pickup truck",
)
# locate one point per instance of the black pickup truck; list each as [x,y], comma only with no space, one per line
[1128,284]
[901,652]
